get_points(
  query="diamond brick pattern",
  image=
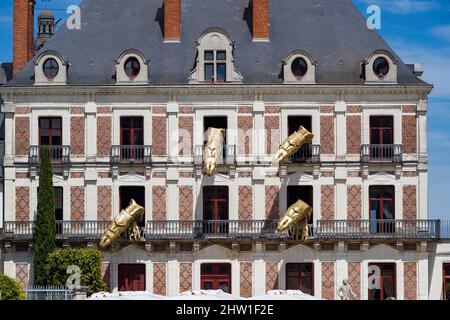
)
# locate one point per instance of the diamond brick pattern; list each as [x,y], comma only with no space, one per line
[272,270]
[103,136]
[410,174]
[409,109]
[354,207]
[409,202]
[272,202]
[328,280]
[272,109]
[246,275]
[246,109]
[327,134]
[185,277]
[22,143]
[77,207]
[22,203]
[354,174]
[272,127]
[326,109]
[186,174]
[186,203]
[104,195]
[22,110]
[77,110]
[245,203]
[327,174]
[159,110]
[186,110]
[327,202]
[159,174]
[185,141]
[245,136]
[354,109]
[77,175]
[22,274]
[159,135]
[103,175]
[77,135]
[353,134]
[106,275]
[104,110]
[409,134]
[410,280]
[159,199]
[354,278]
[244,174]
[159,278]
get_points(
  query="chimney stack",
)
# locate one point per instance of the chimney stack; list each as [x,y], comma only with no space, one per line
[172,20]
[23,46]
[260,20]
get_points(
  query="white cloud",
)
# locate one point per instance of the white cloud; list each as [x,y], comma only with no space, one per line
[442,32]
[404,6]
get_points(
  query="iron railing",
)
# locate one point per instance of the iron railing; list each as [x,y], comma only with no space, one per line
[377,229]
[131,154]
[81,229]
[228,155]
[445,229]
[18,230]
[48,293]
[58,154]
[309,153]
[381,153]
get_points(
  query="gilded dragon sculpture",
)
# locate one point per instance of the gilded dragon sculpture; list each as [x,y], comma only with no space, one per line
[296,220]
[292,144]
[213,150]
[126,221]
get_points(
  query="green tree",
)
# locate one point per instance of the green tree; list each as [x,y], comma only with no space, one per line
[10,289]
[45,219]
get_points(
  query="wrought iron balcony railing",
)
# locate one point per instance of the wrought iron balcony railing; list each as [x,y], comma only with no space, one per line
[228,155]
[309,153]
[381,153]
[378,229]
[131,154]
[58,154]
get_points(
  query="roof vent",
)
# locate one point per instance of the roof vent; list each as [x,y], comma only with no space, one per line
[416,68]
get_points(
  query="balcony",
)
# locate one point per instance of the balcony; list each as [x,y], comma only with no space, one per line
[58,154]
[307,154]
[131,154]
[378,230]
[228,155]
[381,153]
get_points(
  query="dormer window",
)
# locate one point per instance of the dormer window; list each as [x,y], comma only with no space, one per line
[381,67]
[132,67]
[51,68]
[216,66]
[299,67]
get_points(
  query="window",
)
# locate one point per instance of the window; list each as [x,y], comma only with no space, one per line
[133,192]
[215,66]
[300,276]
[304,193]
[446,274]
[131,138]
[216,277]
[381,130]
[132,67]
[382,208]
[294,123]
[381,67]
[58,191]
[387,289]
[215,203]
[50,68]
[299,68]
[131,277]
[50,131]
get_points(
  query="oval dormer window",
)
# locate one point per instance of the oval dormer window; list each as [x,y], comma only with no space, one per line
[381,67]
[299,68]
[132,67]
[51,68]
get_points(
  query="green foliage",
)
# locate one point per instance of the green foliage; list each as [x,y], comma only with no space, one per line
[45,218]
[88,260]
[11,289]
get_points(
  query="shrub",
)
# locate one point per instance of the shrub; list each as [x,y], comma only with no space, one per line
[11,289]
[88,260]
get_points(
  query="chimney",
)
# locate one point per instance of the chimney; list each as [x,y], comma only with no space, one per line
[172,20]
[260,20]
[23,46]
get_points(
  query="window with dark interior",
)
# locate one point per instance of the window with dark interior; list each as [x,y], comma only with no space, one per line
[300,276]
[215,203]
[58,192]
[382,130]
[294,123]
[215,276]
[387,289]
[381,67]
[220,122]
[132,67]
[299,68]
[215,66]
[50,131]
[131,137]
[446,274]
[50,68]
[126,193]
[131,277]
[304,193]
[382,209]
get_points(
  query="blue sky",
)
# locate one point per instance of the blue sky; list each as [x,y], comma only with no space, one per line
[418,30]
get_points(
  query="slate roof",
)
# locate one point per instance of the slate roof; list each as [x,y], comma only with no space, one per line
[334,32]
[5,72]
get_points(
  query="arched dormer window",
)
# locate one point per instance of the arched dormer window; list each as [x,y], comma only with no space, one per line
[50,69]
[381,67]
[299,67]
[132,68]
[215,61]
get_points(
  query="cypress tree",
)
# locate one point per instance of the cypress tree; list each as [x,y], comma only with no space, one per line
[45,218]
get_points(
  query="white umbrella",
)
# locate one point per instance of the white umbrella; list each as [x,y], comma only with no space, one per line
[126,295]
[285,295]
[205,295]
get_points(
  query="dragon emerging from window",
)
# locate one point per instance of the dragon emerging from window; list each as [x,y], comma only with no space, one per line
[296,221]
[213,151]
[292,144]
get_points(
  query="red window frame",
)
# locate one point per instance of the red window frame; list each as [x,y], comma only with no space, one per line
[300,267]
[131,277]
[216,278]
[134,130]
[382,199]
[446,280]
[50,129]
[380,128]
[215,198]
[383,276]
